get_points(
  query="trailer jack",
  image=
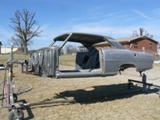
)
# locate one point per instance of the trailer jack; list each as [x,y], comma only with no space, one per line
[146,86]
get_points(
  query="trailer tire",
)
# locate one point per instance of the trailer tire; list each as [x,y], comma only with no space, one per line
[130,85]
[20,115]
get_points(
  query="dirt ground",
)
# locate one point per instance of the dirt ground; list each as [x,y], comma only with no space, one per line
[96,98]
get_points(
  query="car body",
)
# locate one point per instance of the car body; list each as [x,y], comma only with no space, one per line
[94,62]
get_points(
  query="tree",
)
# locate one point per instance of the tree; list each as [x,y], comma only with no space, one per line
[68,49]
[23,23]
[142,32]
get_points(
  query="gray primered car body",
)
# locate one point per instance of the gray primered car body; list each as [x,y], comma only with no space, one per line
[94,62]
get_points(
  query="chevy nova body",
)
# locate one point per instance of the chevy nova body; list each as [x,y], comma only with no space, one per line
[93,62]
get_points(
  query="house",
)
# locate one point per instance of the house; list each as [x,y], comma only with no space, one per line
[137,43]
[159,48]
[140,43]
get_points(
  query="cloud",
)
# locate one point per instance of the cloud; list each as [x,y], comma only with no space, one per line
[156,11]
[115,31]
[115,24]
[4,32]
[5,36]
[141,14]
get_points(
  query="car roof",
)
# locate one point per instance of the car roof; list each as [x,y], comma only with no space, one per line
[84,38]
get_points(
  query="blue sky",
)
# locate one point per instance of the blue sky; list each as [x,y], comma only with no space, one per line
[115,18]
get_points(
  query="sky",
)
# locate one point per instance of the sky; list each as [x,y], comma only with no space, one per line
[115,18]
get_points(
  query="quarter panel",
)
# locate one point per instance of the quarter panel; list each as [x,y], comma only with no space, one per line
[49,63]
[114,58]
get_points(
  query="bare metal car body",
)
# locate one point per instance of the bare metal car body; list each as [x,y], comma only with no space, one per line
[94,62]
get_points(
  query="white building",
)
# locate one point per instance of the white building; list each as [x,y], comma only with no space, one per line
[7,50]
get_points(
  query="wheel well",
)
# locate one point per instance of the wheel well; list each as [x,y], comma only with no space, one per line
[125,66]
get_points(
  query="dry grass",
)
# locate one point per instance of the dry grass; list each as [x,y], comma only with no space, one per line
[5,57]
[94,97]
[67,59]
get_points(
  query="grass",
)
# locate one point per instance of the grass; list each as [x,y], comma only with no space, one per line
[68,60]
[5,57]
[93,96]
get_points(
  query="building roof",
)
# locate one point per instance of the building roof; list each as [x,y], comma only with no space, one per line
[129,39]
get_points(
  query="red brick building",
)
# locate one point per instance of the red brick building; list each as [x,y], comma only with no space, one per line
[140,43]
[137,43]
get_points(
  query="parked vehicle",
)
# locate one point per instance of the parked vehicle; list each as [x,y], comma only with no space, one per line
[94,62]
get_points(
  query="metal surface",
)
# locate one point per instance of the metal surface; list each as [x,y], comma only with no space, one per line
[146,86]
[95,62]
[17,106]
[8,80]
[8,97]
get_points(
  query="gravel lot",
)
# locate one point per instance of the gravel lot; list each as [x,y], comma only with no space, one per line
[96,97]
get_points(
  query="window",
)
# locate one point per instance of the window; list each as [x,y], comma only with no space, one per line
[135,45]
[150,46]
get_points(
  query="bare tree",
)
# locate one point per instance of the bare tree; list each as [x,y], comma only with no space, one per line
[23,23]
[68,48]
[142,32]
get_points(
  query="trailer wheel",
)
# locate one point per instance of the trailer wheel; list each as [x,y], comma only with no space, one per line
[15,97]
[19,116]
[130,85]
